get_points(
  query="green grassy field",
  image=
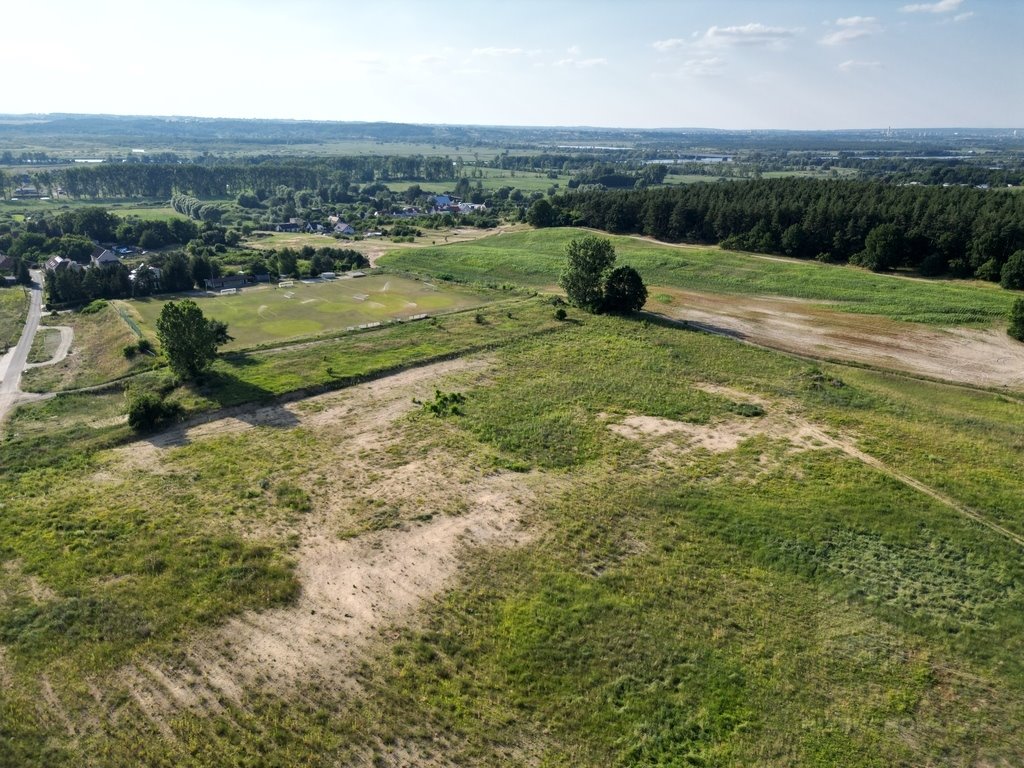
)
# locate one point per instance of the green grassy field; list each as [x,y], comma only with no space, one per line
[155,213]
[746,605]
[13,309]
[96,354]
[265,314]
[44,345]
[535,258]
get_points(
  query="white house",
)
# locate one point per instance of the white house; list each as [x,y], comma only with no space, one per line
[101,257]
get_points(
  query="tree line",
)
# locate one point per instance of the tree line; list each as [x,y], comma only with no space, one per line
[958,231]
[218,180]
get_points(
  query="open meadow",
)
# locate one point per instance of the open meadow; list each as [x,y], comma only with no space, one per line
[631,543]
[494,537]
[266,314]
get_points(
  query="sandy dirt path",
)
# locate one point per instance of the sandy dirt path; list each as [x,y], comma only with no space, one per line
[67,336]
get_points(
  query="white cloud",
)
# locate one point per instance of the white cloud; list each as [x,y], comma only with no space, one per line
[668,45]
[856,21]
[853,28]
[581,63]
[753,34]
[431,59]
[843,36]
[943,6]
[574,50]
[494,52]
[963,16]
[705,67]
[852,65]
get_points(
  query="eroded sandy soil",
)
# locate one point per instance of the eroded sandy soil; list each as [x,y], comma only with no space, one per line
[986,358]
[352,589]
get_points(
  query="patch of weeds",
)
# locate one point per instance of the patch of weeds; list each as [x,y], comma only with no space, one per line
[292,497]
[94,306]
[749,410]
[444,404]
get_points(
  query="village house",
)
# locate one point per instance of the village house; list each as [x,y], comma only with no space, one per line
[59,264]
[102,257]
[155,272]
[341,228]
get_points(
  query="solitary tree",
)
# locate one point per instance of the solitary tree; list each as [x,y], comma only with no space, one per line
[1016,329]
[592,284]
[590,258]
[189,339]
[624,290]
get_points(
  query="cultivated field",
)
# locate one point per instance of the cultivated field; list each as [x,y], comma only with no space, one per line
[266,314]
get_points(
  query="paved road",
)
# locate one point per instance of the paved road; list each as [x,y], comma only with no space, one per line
[13,363]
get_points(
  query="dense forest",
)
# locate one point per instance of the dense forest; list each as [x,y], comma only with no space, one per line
[961,231]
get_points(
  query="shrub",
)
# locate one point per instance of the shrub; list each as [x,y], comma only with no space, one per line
[129,351]
[1012,274]
[1016,329]
[560,314]
[147,410]
[445,404]
[95,306]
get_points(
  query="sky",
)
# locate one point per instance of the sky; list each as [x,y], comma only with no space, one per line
[734,64]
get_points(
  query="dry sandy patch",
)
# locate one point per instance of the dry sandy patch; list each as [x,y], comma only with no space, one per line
[986,358]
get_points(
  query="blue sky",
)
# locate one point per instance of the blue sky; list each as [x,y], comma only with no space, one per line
[645,63]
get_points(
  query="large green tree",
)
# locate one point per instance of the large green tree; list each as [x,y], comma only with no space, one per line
[590,258]
[593,282]
[624,290]
[541,214]
[188,338]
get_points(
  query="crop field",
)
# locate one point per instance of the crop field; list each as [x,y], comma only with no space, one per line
[266,314]
[535,258]
[631,544]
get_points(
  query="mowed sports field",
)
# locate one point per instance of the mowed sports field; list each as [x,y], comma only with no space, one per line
[266,314]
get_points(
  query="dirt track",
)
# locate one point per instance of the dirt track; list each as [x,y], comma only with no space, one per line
[984,358]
